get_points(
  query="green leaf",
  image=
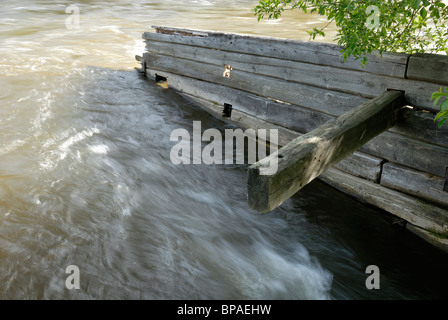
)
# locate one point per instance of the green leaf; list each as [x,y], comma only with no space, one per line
[416,4]
[436,100]
[444,105]
[438,115]
[423,13]
[436,94]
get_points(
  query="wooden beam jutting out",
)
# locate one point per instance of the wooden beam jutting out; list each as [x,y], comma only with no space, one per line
[306,157]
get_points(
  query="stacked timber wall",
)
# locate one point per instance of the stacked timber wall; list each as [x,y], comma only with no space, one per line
[296,86]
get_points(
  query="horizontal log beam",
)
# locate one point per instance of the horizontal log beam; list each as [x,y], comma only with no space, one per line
[306,157]
[428,67]
[390,64]
[410,181]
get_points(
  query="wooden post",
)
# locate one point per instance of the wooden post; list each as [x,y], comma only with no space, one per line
[307,156]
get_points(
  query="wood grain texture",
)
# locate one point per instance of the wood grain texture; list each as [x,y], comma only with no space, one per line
[420,184]
[390,64]
[362,165]
[406,151]
[428,67]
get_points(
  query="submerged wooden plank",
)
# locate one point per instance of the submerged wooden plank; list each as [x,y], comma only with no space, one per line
[389,64]
[420,184]
[306,157]
[428,67]
[411,209]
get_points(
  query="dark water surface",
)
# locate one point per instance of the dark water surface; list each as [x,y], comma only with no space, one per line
[86,178]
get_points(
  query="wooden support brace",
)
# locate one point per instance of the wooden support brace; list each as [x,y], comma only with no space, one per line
[306,157]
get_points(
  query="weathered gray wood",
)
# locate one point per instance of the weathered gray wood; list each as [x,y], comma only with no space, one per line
[409,152]
[350,81]
[415,140]
[358,164]
[302,95]
[420,125]
[416,124]
[337,79]
[244,120]
[420,184]
[302,120]
[306,157]
[428,67]
[362,165]
[411,209]
[217,94]
[298,119]
[211,97]
[295,50]
[180,31]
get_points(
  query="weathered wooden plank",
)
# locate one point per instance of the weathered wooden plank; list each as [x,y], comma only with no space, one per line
[349,81]
[411,209]
[243,120]
[307,51]
[331,102]
[180,31]
[217,94]
[420,125]
[428,67]
[362,165]
[358,164]
[408,152]
[306,157]
[420,184]
[302,120]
